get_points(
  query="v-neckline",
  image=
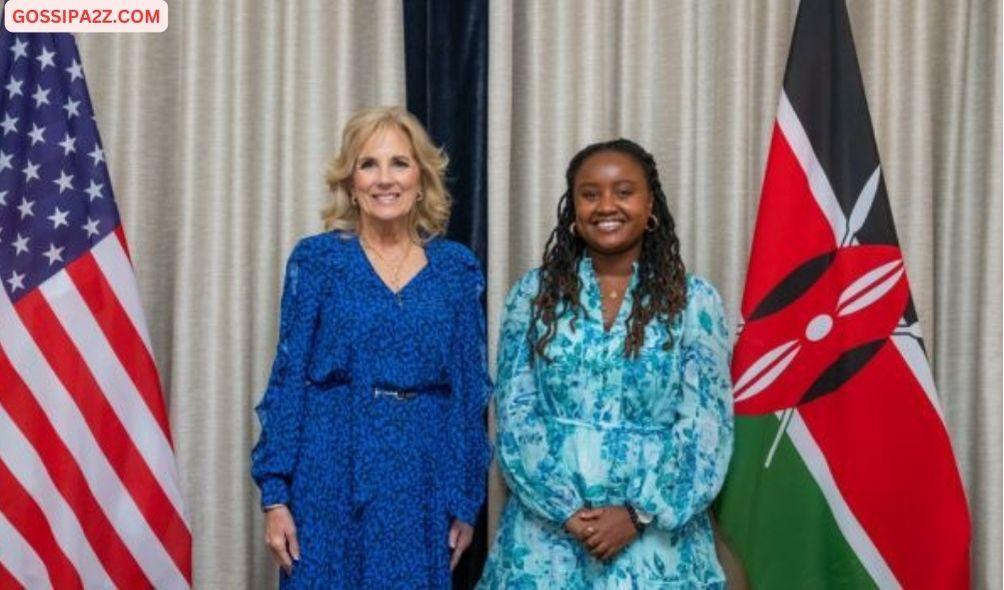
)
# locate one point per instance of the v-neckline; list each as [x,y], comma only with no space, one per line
[376,275]
[587,273]
[620,301]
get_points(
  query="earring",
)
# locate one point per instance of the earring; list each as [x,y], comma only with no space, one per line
[418,197]
[652,227]
[571,228]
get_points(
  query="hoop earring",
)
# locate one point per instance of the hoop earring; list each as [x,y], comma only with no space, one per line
[571,229]
[651,228]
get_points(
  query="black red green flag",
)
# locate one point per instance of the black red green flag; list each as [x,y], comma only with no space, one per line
[843,474]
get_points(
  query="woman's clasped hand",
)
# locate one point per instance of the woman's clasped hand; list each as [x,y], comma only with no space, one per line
[605,531]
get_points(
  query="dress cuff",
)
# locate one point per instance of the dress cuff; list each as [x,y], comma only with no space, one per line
[274,491]
[644,517]
[562,514]
[466,512]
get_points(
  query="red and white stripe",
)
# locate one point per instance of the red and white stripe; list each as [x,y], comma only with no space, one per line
[20,566]
[84,441]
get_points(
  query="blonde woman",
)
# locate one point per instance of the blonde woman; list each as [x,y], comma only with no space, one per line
[373,452]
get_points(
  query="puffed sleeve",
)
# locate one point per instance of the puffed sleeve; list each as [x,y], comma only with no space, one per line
[526,446]
[280,411]
[684,469]
[471,389]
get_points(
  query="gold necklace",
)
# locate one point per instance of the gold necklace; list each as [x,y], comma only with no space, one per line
[395,276]
[611,294]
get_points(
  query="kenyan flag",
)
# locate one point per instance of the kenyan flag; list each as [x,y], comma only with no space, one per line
[843,474]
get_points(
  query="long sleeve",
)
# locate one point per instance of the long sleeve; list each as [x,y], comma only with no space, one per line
[471,389]
[527,449]
[281,408]
[685,469]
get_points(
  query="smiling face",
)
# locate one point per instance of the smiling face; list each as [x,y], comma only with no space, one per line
[612,203]
[386,178]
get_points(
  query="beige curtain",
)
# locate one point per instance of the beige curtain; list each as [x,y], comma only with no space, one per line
[217,134]
[698,84]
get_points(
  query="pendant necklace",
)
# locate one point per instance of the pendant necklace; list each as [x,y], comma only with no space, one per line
[612,293]
[396,274]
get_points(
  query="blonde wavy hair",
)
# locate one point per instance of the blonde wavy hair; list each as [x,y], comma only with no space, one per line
[430,214]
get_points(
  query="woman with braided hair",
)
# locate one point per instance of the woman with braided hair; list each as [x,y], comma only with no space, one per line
[613,395]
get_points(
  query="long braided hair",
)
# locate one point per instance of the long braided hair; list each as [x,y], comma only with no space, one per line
[661,290]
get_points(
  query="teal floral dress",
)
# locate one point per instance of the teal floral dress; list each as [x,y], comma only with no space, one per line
[593,427]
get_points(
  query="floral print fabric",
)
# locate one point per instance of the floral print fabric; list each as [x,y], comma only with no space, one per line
[591,427]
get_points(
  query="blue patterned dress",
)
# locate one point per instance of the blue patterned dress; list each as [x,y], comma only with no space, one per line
[596,428]
[373,427]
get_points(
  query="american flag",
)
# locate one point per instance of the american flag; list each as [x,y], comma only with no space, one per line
[89,494]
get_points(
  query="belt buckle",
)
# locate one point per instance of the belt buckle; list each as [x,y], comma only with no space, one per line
[400,396]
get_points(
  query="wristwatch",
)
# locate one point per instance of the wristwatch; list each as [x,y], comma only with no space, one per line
[639,519]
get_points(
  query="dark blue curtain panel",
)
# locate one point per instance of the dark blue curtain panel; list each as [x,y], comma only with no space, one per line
[446,73]
[446,69]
